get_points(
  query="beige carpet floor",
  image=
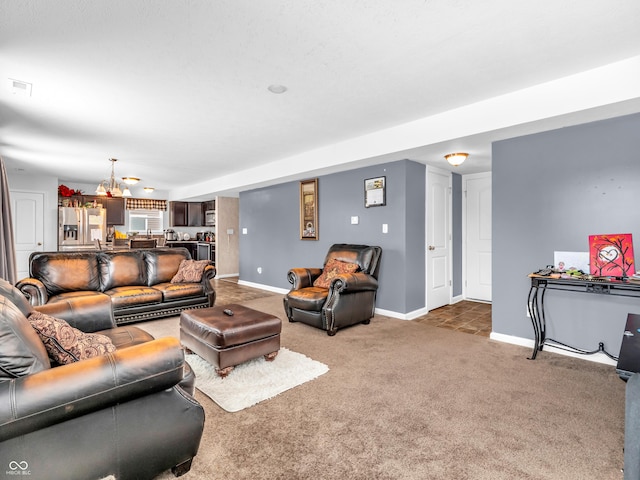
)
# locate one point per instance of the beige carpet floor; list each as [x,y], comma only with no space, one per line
[405,400]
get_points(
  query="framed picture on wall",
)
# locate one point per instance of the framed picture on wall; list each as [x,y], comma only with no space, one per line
[309,209]
[375,192]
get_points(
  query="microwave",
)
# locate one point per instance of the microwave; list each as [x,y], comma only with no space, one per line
[210,218]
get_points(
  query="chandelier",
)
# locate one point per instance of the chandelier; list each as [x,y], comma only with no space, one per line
[111,188]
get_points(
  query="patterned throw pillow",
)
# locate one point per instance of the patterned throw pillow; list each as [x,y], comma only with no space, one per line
[332,269]
[66,344]
[190,271]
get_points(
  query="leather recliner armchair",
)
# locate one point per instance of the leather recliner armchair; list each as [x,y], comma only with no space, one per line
[129,414]
[350,297]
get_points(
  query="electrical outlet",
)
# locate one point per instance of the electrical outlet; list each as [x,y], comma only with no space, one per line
[259,269]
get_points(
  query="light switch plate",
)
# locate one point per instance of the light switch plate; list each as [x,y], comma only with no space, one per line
[385,228]
[355,220]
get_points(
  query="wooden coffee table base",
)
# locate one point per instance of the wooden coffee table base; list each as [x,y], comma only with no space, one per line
[223,372]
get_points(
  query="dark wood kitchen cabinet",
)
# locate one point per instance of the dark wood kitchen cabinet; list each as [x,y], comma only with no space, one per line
[115,210]
[194,211]
[178,214]
[192,247]
[186,214]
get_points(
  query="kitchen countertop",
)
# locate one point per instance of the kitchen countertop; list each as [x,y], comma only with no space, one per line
[188,241]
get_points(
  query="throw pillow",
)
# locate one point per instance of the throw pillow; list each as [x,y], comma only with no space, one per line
[66,344]
[332,269]
[190,271]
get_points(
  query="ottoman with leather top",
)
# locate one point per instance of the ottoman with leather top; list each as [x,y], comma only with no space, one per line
[228,340]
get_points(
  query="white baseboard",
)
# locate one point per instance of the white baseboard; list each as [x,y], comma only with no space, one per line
[499,337]
[457,298]
[387,313]
[527,342]
[260,286]
[228,275]
[402,316]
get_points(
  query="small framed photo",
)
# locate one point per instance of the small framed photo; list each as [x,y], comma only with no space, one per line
[563,261]
[375,192]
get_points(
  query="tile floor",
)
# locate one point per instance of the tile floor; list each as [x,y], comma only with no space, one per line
[466,316]
[228,291]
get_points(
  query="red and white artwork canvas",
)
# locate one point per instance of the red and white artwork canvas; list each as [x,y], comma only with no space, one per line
[611,255]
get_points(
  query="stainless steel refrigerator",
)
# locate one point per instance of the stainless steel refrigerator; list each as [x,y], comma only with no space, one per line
[80,228]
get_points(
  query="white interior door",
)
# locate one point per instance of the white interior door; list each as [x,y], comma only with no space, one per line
[478,236]
[27,214]
[438,238]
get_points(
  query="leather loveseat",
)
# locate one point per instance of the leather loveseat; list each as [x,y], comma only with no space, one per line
[128,414]
[135,284]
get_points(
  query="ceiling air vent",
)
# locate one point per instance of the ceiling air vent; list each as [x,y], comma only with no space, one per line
[19,87]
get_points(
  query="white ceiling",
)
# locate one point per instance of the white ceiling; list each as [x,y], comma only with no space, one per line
[177,89]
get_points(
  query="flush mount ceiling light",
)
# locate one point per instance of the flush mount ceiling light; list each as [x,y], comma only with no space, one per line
[456,159]
[148,189]
[130,180]
[277,89]
[111,188]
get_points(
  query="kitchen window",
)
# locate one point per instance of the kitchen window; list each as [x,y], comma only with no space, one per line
[142,220]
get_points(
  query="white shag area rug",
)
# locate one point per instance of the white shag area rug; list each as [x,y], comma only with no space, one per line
[256,380]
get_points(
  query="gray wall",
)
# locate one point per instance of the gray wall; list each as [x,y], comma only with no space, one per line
[550,192]
[272,242]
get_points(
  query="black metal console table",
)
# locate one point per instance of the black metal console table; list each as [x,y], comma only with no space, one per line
[535,305]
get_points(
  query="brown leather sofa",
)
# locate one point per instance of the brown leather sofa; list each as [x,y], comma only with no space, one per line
[129,414]
[134,284]
[349,299]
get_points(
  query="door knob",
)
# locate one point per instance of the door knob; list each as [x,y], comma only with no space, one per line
[431,247]
[39,244]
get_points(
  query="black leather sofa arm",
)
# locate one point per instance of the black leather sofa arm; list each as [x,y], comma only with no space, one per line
[59,394]
[89,316]
[207,279]
[354,282]
[34,290]
[209,273]
[303,277]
